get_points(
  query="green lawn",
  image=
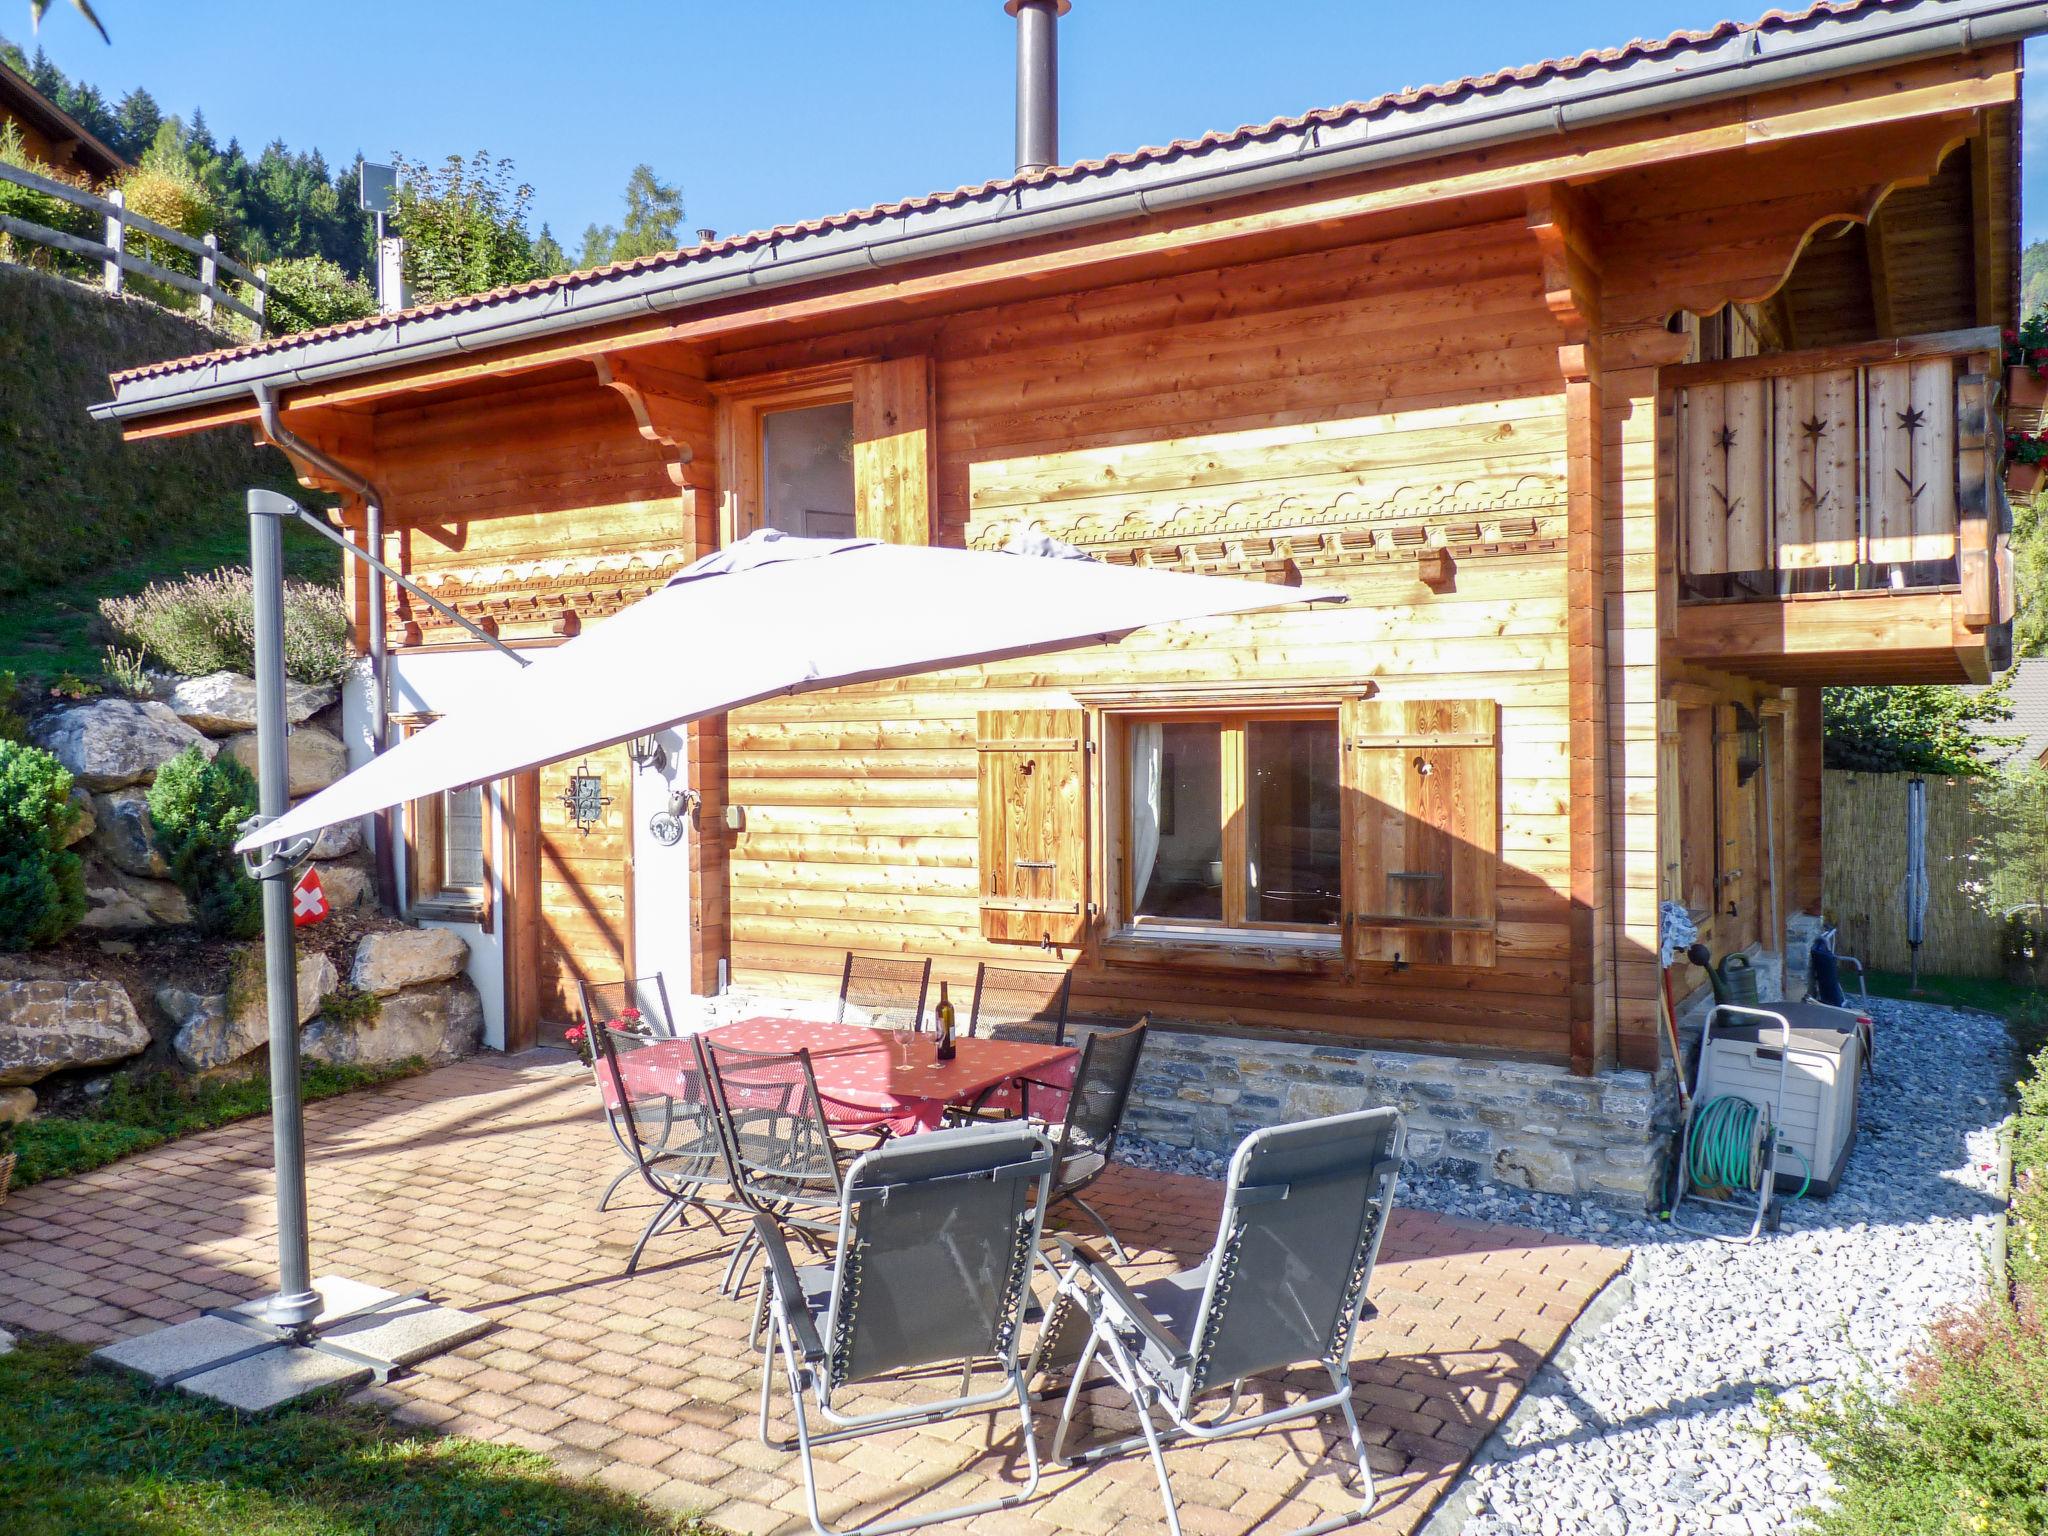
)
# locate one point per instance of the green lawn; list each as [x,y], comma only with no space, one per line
[90,1452]
[54,629]
[143,1112]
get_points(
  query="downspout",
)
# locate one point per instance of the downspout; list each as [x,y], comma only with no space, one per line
[382,841]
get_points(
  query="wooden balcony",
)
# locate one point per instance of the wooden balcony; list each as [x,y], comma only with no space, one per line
[1838,514]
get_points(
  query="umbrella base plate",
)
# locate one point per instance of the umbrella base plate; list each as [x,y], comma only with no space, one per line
[235,1356]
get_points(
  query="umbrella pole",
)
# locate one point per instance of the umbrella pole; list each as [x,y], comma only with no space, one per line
[296,1302]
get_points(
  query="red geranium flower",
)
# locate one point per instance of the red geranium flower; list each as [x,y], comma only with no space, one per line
[574,1032]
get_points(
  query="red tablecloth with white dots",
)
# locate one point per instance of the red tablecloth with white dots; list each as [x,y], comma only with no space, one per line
[867,1077]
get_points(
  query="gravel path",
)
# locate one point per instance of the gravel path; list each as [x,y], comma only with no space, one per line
[1645,1427]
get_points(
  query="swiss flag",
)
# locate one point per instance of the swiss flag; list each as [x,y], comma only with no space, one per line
[309,901]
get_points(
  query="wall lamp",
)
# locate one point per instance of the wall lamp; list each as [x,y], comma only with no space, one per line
[647,752]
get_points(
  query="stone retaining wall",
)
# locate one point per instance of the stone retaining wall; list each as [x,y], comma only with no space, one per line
[1526,1125]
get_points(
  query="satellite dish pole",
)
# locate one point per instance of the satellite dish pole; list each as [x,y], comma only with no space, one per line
[378,186]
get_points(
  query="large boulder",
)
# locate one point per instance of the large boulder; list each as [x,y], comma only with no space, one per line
[111,743]
[222,703]
[314,758]
[440,1022]
[339,840]
[217,1028]
[124,836]
[406,957]
[347,887]
[88,818]
[117,902]
[49,1025]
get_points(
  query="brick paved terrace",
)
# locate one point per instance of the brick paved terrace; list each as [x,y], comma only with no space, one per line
[481,1180]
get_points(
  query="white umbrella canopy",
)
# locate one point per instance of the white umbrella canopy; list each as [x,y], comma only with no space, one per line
[772,615]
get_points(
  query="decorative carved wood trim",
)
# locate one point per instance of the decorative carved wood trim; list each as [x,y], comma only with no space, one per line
[669,409]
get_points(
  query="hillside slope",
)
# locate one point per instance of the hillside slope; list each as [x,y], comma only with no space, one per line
[84,515]
[73,496]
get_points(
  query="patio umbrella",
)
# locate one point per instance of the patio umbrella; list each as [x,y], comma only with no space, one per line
[774,615]
[769,615]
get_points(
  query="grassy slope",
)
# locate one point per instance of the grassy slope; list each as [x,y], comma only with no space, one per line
[92,1453]
[83,514]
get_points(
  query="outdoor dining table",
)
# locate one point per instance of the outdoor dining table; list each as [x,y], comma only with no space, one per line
[867,1077]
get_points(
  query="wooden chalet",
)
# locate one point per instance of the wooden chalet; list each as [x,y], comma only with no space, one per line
[1633,397]
[52,135]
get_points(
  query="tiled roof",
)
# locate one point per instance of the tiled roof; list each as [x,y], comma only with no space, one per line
[2029,700]
[1580,64]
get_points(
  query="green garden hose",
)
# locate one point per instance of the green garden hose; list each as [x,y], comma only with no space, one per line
[1728,1147]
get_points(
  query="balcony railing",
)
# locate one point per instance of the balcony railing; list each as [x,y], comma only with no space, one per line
[1843,472]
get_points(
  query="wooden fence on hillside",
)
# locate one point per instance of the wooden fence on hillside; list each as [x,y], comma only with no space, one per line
[117,258]
[1863,835]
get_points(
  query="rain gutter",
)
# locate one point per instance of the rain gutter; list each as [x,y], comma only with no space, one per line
[1751,60]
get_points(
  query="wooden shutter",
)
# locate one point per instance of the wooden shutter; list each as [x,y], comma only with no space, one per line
[1423,778]
[1034,825]
[893,450]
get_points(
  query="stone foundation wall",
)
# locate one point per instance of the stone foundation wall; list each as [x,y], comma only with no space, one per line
[1524,1125]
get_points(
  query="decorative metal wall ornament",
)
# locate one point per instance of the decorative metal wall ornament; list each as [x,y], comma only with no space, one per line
[585,799]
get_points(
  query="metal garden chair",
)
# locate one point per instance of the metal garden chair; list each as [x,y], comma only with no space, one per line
[1093,1113]
[890,992]
[658,1106]
[1285,1285]
[1008,997]
[778,1144]
[938,1236]
[642,1000]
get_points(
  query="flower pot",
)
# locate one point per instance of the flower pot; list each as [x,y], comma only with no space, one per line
[2024,479]
[2025,389]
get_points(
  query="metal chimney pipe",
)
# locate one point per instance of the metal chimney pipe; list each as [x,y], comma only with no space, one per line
[1038,81]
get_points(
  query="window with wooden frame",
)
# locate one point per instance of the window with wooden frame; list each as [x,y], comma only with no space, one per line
[448,850]
[830,453]
[1233,824]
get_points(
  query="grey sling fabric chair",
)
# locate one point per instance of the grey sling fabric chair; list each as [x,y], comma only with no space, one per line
[890,992]
[641,1001]
[661,1114]
[938,1237]
[779,1149]
[1093,1114]
[1303,1215]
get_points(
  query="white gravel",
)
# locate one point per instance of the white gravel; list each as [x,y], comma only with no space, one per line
[1648,1425]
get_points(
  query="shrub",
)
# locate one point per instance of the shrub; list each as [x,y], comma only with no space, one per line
[39,207]
[1962,1446]
[197,806]
[12,726]
[309,291]
[166,188]
[207,623]
[42,883]
[124,672]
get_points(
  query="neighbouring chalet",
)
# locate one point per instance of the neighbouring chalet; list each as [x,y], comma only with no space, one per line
[1632,396]
[52,135]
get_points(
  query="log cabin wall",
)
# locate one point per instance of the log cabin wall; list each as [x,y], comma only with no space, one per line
[1358,418]
[535,508]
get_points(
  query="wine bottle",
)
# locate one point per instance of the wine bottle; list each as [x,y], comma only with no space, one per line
[945,1022]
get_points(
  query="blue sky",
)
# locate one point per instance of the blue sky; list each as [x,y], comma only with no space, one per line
[766,111]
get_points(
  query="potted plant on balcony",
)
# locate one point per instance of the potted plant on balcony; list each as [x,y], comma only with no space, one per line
[2026,462]
[2026,363]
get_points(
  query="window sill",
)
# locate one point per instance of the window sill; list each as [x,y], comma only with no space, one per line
[442,910]
[1236,949]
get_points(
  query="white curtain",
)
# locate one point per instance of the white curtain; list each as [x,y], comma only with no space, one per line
[1146,738]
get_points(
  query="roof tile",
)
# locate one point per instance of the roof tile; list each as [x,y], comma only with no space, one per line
[1416,96]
